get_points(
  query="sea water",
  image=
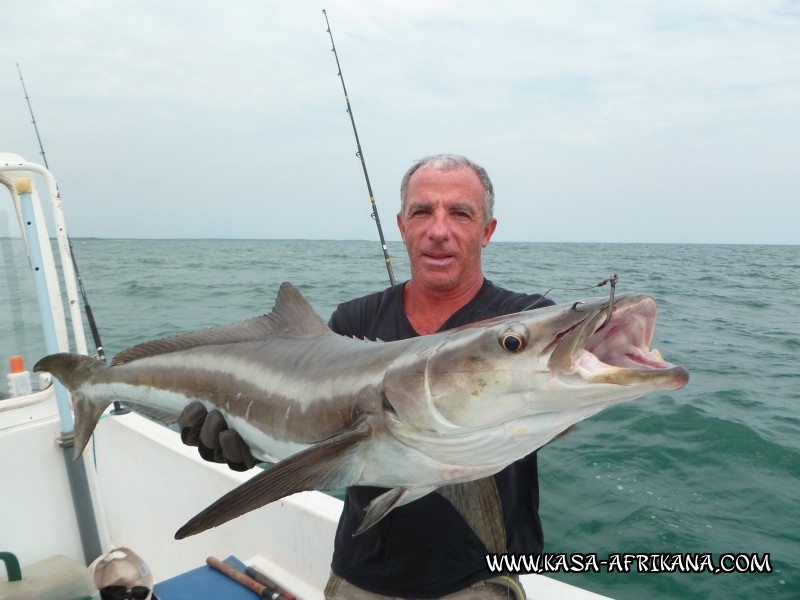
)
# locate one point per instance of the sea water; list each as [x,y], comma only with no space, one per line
[713,468]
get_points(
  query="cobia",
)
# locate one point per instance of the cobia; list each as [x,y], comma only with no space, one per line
[413,416]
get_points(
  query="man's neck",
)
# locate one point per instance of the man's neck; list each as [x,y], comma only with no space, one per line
[427,310]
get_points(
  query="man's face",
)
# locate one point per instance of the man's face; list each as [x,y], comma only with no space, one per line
[443,227]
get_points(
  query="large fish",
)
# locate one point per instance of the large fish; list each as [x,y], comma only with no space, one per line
[413,416]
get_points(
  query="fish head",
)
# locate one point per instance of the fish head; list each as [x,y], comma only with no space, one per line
[570,358]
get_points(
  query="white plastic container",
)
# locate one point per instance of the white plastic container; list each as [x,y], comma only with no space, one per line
[19,380]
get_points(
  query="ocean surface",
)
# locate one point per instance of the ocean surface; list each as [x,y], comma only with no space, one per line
[713,468]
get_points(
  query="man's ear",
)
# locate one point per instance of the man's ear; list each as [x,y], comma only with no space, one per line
[488,230]
[401,226]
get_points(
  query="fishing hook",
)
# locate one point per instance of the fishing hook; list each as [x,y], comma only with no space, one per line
[612,280]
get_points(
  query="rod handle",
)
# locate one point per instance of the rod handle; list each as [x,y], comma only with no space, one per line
[239,577]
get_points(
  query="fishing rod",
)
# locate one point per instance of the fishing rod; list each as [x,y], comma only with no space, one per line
[76,470]
[86,307]
[33,119]
[360,155]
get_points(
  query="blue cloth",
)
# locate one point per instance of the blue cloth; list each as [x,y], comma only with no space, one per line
[205,583]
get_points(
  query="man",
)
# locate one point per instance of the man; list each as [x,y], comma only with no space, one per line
[423,549]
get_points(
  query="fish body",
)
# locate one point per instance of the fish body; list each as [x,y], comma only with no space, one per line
[411,415]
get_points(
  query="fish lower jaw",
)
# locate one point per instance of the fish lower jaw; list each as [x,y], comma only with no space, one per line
[670,377]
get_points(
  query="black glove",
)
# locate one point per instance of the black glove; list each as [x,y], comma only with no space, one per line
[216,443]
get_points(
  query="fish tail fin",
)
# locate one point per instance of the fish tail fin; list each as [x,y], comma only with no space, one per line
[73,371]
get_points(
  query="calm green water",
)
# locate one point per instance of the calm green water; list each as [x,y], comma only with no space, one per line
[712,468]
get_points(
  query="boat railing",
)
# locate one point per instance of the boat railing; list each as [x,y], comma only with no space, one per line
[20,178]
[53,284]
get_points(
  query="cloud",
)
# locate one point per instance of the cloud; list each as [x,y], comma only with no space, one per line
[583,104]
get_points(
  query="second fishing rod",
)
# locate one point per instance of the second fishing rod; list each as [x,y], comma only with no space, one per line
[360,155]
[100,352]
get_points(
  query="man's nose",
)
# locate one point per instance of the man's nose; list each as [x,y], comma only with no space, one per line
[440,226]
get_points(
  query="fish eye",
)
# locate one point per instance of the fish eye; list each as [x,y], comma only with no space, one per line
[513,339]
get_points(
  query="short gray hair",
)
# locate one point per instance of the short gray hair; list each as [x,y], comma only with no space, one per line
[451,162]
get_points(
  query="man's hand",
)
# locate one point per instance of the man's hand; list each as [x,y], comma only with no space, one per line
[215,442]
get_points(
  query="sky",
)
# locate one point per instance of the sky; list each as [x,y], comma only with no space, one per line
[614,121]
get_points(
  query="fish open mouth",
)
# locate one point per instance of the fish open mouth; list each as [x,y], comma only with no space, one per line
[617,350]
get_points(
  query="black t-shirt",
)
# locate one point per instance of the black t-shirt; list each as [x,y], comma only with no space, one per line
[425,549]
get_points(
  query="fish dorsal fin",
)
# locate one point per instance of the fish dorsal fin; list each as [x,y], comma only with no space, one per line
[292,314]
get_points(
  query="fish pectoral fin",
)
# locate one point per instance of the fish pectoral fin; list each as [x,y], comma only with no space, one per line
[383,504]
[479,503]
[323,466]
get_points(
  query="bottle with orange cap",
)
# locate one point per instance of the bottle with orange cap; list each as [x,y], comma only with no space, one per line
[19,380]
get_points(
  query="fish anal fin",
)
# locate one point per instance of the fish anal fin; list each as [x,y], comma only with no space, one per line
[479,503]
[292,314]
[323,466]
[383,504]
[164,417]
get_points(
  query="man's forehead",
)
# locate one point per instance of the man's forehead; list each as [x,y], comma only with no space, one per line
[432,172]
[429,183]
